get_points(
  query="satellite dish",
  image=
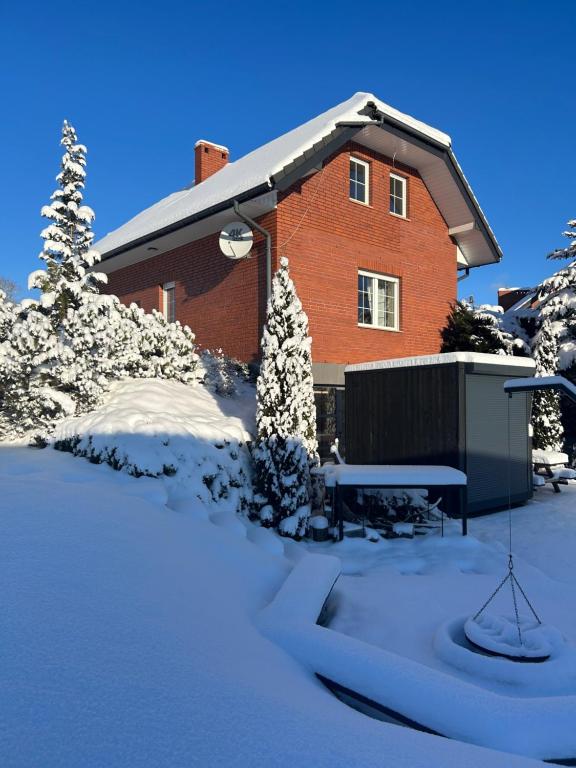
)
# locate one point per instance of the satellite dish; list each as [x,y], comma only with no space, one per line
[236,240]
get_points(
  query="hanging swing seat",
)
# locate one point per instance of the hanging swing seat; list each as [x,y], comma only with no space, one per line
[498,636]
[519,638]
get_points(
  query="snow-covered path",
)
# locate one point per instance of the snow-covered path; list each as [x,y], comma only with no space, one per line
[128,640]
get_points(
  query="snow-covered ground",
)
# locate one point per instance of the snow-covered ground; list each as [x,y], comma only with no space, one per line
[397,594]
[129,639]
[132,609]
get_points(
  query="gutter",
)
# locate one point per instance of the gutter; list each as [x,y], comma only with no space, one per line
[218,208]
[374,118]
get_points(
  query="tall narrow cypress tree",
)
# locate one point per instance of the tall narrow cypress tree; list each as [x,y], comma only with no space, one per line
[286,446]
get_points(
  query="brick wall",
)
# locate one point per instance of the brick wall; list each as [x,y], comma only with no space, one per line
[338,236]
[221,300]
[327,238]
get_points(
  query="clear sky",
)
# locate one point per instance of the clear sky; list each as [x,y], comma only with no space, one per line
[142,81]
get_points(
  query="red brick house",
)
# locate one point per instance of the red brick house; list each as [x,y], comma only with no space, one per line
[369,205]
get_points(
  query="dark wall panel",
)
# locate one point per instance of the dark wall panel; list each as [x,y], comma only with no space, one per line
[403,415]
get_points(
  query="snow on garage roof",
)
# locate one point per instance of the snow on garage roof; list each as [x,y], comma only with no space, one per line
[481,358]
[255,173]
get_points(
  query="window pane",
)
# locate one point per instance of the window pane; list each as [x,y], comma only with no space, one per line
[358,181]
[397,195]
[365,299]
[386,304]
[170,304]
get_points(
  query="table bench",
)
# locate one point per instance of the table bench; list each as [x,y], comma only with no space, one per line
[392,476]
[553,464]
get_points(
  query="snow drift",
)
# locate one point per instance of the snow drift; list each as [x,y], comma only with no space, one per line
[159,428]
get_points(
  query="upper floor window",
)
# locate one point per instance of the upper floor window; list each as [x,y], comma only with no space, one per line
[359,180]
[378,301]
[398,195]
[169,301]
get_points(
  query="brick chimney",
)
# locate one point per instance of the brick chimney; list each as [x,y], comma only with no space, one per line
[208,158]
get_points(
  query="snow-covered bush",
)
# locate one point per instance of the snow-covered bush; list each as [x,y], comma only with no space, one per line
[153,428]
[399,505]
[30,395]
[285,448]
[158,349]
[546,417]
[222,374]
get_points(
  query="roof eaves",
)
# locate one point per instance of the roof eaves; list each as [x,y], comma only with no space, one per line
[454,166]
[217,208]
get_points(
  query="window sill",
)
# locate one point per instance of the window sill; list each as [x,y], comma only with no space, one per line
[359,202]
[398,216]
[379,328]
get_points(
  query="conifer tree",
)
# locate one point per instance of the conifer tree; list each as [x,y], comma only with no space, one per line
[59,354]
[30,398]
[570,251]
[286,446]
[469,330]
[7,316]
[547,427]
[68,239]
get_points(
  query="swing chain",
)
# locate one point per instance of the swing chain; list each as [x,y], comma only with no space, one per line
[510,575]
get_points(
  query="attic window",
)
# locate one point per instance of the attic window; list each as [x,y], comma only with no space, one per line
[359,180]
[398,195]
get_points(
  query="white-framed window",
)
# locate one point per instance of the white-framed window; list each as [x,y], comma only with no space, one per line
[378,301]
[359,181]
[398,188]
[169,301]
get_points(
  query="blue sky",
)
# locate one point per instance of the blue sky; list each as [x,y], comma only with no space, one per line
[142,82]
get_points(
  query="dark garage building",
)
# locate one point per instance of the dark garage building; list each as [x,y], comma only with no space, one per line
[447,410]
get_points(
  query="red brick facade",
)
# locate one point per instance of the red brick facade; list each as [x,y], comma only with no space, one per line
[327,238]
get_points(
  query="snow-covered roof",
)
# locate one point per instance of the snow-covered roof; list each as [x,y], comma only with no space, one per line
[258,171]
[444,359]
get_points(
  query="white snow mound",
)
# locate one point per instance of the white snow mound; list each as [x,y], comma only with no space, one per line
[157,427]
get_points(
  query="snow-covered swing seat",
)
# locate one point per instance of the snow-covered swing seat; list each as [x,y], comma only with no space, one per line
[522,638]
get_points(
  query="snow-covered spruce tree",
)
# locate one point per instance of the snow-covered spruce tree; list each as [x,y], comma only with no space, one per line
[469,330]
[68,239]
[7,316]
[285,448]
[31,399]
[570,251]
[547,427]
[63,350]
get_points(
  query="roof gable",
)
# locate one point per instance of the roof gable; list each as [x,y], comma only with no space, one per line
[264,168]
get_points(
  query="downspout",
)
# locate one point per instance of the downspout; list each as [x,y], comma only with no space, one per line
[464,276]
[268,236]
